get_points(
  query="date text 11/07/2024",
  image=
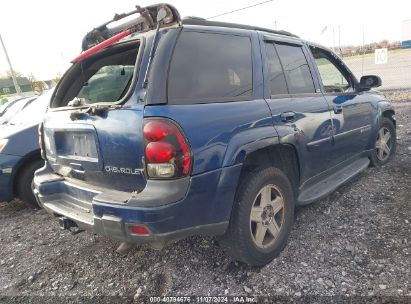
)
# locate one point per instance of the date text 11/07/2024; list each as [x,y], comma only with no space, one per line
[204,299]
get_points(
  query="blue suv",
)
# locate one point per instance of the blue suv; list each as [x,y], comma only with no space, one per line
[167,127]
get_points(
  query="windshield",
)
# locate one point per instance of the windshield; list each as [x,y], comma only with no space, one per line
[15,108]
[3,108]
[34,112]
[10,101]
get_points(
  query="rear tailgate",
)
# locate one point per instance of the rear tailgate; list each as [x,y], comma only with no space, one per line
[104,150]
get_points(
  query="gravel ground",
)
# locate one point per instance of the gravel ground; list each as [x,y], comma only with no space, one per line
[399,95]
[354,244]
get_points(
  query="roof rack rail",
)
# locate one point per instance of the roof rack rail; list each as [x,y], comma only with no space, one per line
[201,21]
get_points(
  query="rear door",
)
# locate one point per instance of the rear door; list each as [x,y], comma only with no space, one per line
[299,111]
[352,112]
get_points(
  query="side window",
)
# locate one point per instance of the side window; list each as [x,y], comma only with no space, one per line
[296,69]
[275,71]
[210,68]
[333,80]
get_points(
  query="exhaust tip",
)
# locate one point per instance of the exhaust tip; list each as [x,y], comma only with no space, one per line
[125,248]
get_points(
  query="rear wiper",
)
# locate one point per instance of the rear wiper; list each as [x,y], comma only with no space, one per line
[77,102]
[97,109]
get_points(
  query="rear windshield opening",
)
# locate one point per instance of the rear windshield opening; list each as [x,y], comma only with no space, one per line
[106,77]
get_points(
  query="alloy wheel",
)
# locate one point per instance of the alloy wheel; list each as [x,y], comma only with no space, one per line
[383,144]
[267,216]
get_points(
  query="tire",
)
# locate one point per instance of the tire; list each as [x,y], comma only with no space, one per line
[382,153]
[25,183]
[246,229]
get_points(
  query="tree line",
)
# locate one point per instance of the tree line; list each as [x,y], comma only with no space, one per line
[37,85]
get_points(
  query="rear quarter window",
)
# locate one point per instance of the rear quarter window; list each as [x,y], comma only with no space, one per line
[210,67]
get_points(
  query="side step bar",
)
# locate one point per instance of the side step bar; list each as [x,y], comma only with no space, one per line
[332,182]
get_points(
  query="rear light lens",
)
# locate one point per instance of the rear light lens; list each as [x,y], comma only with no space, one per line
[41,141]
[167,153]
[156,130]
[159,152]
[139,229]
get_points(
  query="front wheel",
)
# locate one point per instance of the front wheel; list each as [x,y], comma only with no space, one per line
[261,219]
[25,184]
[385,143]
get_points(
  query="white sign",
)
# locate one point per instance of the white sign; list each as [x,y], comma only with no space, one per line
[381,56]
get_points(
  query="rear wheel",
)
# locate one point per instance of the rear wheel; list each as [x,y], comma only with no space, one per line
[262,217]
[385,143]
[25,183]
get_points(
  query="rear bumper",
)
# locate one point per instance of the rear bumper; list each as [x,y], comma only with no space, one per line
[7,166]
[201,205]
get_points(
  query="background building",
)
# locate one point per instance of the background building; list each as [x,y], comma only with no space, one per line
[7,86]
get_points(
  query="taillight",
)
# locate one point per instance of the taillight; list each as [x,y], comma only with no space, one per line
[41,141]
[167,153]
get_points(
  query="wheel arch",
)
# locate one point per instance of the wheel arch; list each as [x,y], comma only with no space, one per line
[24,162]
[385,109]
[281,156]
[390,114]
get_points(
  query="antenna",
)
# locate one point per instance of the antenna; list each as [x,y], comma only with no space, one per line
[239,9]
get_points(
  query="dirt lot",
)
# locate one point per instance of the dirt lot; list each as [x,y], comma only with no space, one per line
[354,244]
[399,63]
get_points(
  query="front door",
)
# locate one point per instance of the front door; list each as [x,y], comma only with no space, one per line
[352,113]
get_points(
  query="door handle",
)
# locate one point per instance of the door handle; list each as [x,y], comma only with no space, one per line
[287,116]
[338,109]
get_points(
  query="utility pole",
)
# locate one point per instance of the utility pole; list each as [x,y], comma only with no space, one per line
[363,49]
[16,85]
[339,41]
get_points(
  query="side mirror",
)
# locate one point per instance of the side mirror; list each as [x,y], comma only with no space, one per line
[370,81]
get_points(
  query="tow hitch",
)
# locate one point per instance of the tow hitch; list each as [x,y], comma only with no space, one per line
[67,224]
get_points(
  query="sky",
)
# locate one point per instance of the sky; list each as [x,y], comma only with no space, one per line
[42,36]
